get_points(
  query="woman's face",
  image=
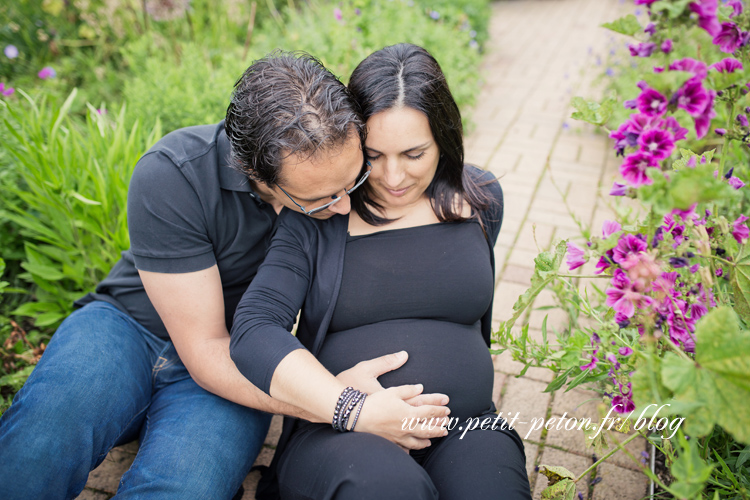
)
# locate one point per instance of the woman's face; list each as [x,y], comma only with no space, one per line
[403,154]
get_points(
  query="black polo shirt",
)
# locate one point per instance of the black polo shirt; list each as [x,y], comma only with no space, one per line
[188,210]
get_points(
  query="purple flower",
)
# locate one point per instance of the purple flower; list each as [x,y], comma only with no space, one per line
[658,69]
[678,131]
[742,120]
[591,364]
[622,321]
[621,404]
[678,262]
[645,2]
[698,68]
[634,168]
[736,183]
[740,230]
[609,227]
[435,15]
[618,189]
[628,244]
[357,11]
[630,104]
[657,142]
[666,46]
[46,73]
[728,39]
[337,14]
[652,103]
[644,49]
[692,97]
[575,256]
[650,29]
[736,5]
[706,10]
[703,122]
[11,51]
[625,351]
[727,65]
[720,132]
[6,91]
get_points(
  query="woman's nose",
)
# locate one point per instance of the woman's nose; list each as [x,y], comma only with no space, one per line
[393,174]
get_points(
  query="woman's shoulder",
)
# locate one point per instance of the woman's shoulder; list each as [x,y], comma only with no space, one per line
[486,181]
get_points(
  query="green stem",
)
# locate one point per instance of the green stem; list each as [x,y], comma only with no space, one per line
[582,276]
[725,145]
[605,457]
[716,257]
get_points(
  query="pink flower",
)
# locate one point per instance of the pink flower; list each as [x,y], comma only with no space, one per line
[590,365]
[703,122]
[625,351]
[623,404]
[740,230]
[736,6]
[46,73]
[642,49]
[618,189]
[609,227]
[736,183]
[652,103]
[6,91]
[697,68]
[727,65]
[692,97]
[666,46]
[624,299]
[728,39]
[678,131]
[706,10]
[645,2]
[628,244]
[337,14]
[657,142]
[635,166]
[575,256]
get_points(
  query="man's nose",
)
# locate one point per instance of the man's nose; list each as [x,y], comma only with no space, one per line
[343,206]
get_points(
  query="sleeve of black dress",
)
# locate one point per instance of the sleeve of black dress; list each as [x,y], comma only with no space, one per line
[266,313]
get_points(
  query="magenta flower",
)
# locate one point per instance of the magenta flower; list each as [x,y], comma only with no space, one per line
[634,168]
[650,28]
[645,2]
[692,97]
[6,91]
[666,46]
[736,183]
[618,189]
[337,14]
[625,351]
[644,49]
[657,142]
[652,103]
[628,244]
[678,131]
[703,122]
[727,65]
[623,404]
[46,73]
[698,68]
[728,39]
[575,256]
[10,51]
[736,6]
[623,298]
[610,227]
[706,10]
[740,230]
[591,365]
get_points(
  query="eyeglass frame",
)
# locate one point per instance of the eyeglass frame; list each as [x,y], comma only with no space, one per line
[337,199]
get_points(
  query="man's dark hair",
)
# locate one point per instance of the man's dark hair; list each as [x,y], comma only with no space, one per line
[287,103]
[406,75]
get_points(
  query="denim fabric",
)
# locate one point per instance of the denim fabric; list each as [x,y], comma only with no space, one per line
[105,380]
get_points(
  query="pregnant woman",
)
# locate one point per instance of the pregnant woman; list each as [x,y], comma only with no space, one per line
[409,269]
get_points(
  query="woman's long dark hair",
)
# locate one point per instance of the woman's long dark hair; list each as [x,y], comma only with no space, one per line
[406,75]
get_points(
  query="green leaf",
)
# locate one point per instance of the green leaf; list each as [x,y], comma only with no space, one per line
[741,289]
[674,8]
[627,25]
[83,199]
[592,111]
[560,380]
[555,473]
[667,82]
[689,470]
[563,490]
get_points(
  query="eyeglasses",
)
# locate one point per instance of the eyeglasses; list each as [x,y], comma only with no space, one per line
[336,199]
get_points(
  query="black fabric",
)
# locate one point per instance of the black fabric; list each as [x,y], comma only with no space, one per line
[188,210]
[303,268]
[422,290]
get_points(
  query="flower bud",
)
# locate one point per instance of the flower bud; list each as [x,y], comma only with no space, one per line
[720,131]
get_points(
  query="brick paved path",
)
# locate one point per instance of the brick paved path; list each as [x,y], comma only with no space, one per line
[541,53]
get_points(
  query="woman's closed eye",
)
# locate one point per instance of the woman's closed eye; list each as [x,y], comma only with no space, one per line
[411,157]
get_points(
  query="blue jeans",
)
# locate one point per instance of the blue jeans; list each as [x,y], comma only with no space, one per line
[104,380]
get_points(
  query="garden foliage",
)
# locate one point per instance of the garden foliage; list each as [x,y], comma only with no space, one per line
[662,322]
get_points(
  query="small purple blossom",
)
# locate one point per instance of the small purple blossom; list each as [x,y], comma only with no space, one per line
[591,364]
[728,38]
[630,104]
[618,189]
[736,183]
[358,11]
[10,51]
[628,244]
[697,68]
[621,404]
[692,97]
[650,29]
[666,46]
[727,65]
[706,10]
[720,131]
[609,227]
[337,14]
[575,256]
[434,15]
[47,72]
[740,230]
[625,351]
[635,166]
[657,142]
[736,6]
[644,49]
[742,120]
[652,103]
[6,90]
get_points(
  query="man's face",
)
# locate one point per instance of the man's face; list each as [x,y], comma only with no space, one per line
[315,181]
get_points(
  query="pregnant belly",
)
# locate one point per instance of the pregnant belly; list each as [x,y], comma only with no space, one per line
[447,358]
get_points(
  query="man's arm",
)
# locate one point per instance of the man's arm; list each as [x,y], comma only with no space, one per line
[191,305]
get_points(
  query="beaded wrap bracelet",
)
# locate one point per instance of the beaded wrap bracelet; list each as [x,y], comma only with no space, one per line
[349,399]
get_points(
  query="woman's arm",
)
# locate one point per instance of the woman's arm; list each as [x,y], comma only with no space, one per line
[276,362]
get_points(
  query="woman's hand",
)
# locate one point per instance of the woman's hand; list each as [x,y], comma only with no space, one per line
[364,377]
[387,414]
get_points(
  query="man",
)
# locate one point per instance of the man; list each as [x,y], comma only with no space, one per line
[199,229]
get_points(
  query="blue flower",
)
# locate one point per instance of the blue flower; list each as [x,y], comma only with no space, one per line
[435,15]
[11,51]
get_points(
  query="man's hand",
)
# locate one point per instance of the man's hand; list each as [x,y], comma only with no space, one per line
[364,377]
